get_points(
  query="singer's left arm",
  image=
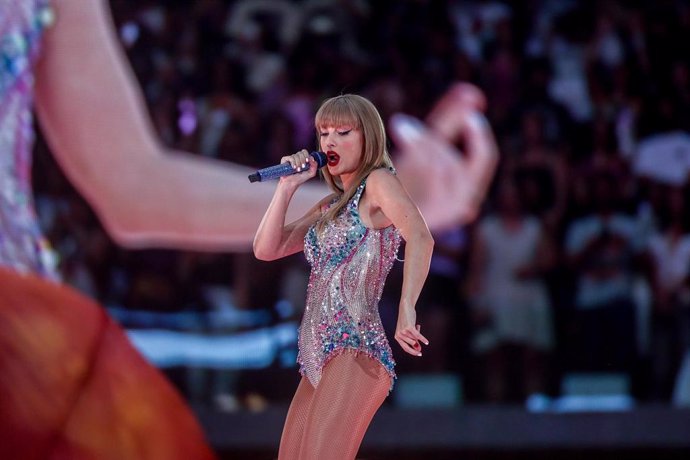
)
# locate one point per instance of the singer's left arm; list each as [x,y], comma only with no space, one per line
[93,115]
[387,194]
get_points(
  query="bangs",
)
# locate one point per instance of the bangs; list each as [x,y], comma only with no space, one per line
[337,111]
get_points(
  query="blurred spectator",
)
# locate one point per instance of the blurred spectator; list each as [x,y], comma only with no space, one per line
[541,173]
[668,252]
[512,312]
[444,314]
[601,249]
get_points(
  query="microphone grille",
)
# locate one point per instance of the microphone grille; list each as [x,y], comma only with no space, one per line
[320,157]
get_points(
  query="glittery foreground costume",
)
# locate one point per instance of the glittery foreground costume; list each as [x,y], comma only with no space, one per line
[72,385]
[349,265]
[22,246]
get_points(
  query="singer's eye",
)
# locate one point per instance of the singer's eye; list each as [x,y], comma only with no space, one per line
[323,134]
[344,133]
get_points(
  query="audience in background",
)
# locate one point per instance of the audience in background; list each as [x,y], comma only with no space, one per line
[572,87]
[511,309]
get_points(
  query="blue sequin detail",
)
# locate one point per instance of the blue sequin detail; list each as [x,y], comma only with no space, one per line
[22,245]
[350,263]
[17,46]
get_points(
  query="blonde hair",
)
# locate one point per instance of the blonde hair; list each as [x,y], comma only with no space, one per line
[359,113]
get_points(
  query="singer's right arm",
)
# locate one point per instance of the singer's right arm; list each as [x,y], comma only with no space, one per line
[274,239]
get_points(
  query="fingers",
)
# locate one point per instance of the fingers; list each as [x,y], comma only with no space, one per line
[448,185]
[412,133]
[420,337]
[409,340]
[468,95]
[408,345]
[462,104]
[458,110]
[406,130]
[460,96]
[300,161]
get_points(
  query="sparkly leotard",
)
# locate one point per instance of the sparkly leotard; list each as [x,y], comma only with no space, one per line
[22,246]
[349,265]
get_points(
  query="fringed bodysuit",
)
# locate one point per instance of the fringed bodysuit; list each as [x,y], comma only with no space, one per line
[349,265]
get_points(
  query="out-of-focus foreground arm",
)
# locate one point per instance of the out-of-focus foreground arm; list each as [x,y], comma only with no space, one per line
[93,115]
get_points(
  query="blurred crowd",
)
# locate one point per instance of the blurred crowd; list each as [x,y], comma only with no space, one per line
[580,260]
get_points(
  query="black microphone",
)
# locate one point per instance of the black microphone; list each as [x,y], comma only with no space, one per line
[285,169]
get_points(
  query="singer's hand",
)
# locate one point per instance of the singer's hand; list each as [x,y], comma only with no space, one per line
[305,166]
[447,185]
[408,334]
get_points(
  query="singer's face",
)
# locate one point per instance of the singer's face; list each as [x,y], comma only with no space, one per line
[347,142]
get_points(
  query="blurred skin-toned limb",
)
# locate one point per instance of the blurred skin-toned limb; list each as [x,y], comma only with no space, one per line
[95,120]
[457,181]
[73,386]
[94,117]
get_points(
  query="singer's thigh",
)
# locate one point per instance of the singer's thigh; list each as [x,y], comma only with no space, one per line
[295,421]
[351,389]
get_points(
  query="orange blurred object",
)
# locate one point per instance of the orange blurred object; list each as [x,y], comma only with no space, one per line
[73,387]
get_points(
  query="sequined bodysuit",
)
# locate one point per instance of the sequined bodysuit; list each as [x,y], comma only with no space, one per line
[349,266]
[22,246]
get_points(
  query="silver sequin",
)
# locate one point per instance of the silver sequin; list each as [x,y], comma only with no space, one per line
[349,266]
[22,246]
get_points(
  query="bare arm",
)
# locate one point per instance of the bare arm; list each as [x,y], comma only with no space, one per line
[274,239]
[387,193]
[91,110]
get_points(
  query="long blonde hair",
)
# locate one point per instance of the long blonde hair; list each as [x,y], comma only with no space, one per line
[359,113]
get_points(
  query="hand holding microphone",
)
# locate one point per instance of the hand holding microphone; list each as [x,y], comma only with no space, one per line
[293,164]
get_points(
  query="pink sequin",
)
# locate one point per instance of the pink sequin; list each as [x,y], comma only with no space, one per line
[22,245]
[349,263]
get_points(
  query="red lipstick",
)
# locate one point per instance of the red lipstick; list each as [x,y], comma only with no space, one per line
[333,158]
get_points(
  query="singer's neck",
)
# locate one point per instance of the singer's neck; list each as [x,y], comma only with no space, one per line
[348,181]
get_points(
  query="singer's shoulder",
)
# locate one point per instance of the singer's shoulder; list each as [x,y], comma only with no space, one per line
[382,175]
[383,180]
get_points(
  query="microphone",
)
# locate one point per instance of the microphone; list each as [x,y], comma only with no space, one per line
[285,169]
